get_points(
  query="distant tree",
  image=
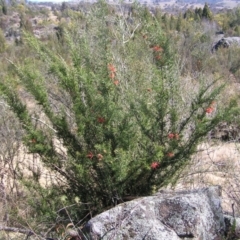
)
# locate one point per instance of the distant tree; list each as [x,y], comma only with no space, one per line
[233,18]
[165,20]
[206,13]
[64,6]
[158,14]
[172,23]
[188,14]
[146,13]
[4,7]
[179,22]
[198,13]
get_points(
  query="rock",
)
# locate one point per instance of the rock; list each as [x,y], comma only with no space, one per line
[226,132]
[226,42]
[167,215]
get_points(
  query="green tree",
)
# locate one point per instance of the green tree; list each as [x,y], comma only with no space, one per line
[179,22]
[172,23]
[198,14]
[189,14]
[166,21]
[206,13]
[158,14]
[64,6]
[4,7]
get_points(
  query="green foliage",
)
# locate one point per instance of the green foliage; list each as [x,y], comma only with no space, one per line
[229,21]
[206,12]
[116,104]
[199,13]
[179,23]
[189,14]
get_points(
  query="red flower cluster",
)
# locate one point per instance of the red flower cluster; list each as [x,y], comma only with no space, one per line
[101,119]
[210,109]
[116,82]
[170,154]
[155,165]
[157,48]
[90,155]
[111,68]
[173,136]
[112,75]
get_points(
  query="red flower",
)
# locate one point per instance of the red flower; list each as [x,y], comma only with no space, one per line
[170,154]
[158,57]
[112,75]
[90,155]
[101,119]
[157,48]
[116,82]
[171,135]
[209,110]
[155,165]
[111,68]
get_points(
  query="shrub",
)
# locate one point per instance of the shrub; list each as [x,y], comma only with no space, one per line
[117,105]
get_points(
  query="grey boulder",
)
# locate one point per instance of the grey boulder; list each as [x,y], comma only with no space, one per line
[167,215]
[226,42]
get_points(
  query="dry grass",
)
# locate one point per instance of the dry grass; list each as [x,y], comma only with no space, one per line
[216,163]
